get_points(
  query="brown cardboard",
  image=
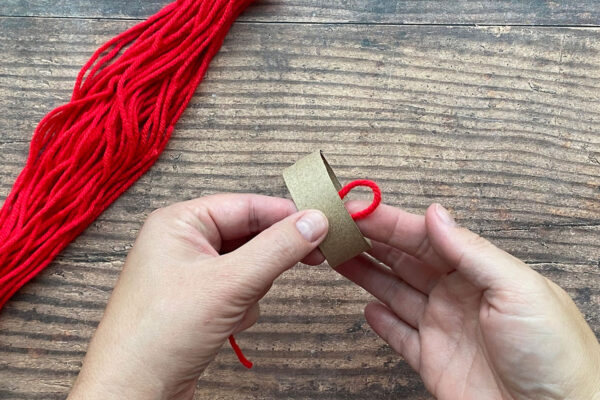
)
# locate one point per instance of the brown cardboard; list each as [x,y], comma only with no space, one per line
[313,185]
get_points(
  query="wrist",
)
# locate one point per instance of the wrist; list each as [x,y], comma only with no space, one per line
[125,369]
[94,384]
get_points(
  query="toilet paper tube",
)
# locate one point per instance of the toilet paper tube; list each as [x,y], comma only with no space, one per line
[313,185]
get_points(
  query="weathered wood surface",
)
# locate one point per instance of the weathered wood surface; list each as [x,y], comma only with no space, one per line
[486,12]
[498,123]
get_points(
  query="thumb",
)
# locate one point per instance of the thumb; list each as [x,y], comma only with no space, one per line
[483,264]
[280,247]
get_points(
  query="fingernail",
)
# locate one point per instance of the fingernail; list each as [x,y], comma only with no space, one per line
[444,215]
[312,225]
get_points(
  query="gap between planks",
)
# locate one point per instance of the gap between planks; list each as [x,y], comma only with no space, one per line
[351,23]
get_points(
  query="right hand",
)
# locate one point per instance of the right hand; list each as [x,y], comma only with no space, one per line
[472,320]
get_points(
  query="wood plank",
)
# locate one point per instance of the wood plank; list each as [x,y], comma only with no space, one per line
[500,124]
[481,12]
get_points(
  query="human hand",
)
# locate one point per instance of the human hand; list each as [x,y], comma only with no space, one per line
[177,300]
[472,320]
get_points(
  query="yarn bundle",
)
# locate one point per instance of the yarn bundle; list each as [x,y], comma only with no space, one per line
[84,154]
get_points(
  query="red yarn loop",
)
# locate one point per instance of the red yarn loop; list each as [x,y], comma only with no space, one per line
[238,352]
[376,197]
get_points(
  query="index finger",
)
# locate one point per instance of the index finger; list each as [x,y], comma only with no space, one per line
[223,217]
[399,229]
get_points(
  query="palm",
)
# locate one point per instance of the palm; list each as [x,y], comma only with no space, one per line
[504,345]
[462,347]
[454,350]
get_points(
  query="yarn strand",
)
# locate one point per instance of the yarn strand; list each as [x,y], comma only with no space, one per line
[238,352]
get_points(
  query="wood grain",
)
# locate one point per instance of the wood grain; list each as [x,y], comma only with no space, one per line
[498,123]
[481,12]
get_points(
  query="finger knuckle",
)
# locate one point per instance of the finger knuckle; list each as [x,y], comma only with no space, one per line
[423,248]
[284,247]
[157,213]
[242,276]
[478,243]
[474,245]
[154,218]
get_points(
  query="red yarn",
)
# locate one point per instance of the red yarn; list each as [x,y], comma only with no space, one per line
[238,352]
[84,154]
[124,106]
[376,197]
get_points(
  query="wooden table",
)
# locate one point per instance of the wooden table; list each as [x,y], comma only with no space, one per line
[490,107]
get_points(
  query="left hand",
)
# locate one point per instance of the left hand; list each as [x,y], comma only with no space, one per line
[177,300]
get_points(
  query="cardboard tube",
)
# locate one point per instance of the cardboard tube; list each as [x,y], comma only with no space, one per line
[313,185]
